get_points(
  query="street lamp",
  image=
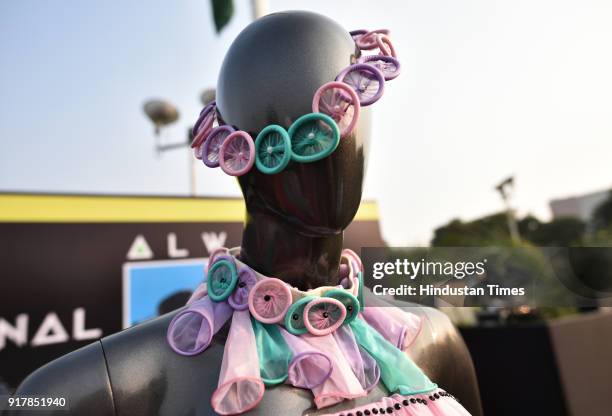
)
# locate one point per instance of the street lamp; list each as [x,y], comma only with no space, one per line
[162,113]
[505,189]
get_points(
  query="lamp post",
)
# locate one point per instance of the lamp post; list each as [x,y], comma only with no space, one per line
[505,189]
[162,113]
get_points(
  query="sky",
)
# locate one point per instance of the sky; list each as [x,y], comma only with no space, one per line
[489,88]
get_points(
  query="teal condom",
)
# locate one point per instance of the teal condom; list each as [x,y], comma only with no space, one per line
[313,137]
[397,371]
[273,351]
[294,319]
[222,278]
[360,290]
[349,301]
[272,149]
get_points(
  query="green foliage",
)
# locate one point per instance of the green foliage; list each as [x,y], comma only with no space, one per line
[562,232]
[527,264]
[490,230]
[222,13]
[602,216]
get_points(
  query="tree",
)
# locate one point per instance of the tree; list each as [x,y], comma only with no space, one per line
[562,232]
[602,216]
[489,230]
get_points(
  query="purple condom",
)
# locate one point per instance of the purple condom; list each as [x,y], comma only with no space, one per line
[364,366]
[397,326]
[342,383]
[388,65]
[191,330]
[367,81]
[309,367]
[240,385]
[357,33]
[212,145]
[198,294]
[205,111]
[239,299]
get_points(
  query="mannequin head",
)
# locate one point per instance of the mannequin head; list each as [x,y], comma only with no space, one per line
[269,76]
[295,218]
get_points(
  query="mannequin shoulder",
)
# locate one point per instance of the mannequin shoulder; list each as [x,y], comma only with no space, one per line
[131,372]
[79,377]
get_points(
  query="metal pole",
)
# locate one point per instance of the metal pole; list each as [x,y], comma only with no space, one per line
[260,8]
[192,173]
[512,226]
[510,218]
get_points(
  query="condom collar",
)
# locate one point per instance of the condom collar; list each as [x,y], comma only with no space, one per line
[324,340]
[318,311]
[335,111]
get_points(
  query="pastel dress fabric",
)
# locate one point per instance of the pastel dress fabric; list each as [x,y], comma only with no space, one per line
[342,383]
[397,371]
[436,403]
[240,386]
[364,366]
[398,326]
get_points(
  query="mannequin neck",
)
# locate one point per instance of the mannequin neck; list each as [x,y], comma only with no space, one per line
[274,248]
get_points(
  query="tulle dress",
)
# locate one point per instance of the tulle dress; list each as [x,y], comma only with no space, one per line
[327,340]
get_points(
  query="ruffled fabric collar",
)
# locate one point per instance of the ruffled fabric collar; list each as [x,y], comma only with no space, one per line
[328,340]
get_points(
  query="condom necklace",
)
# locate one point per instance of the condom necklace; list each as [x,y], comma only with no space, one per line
[313,136]
[331,340]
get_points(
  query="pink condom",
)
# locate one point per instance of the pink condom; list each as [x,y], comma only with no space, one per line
[198,294]
[216,253]
[202,127]
[363,365]
[368,41]
[324,315]
[340,102]
[205,129]
[342,383]
[385,45]
[357,33]
[309,367]
[207,112]
[352,265]
[269,300]
[191,330]
[237,153]
[397,326]
[351,255]
[344,272]
[240,385]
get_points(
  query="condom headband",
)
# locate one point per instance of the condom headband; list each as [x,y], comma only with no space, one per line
[335,110]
